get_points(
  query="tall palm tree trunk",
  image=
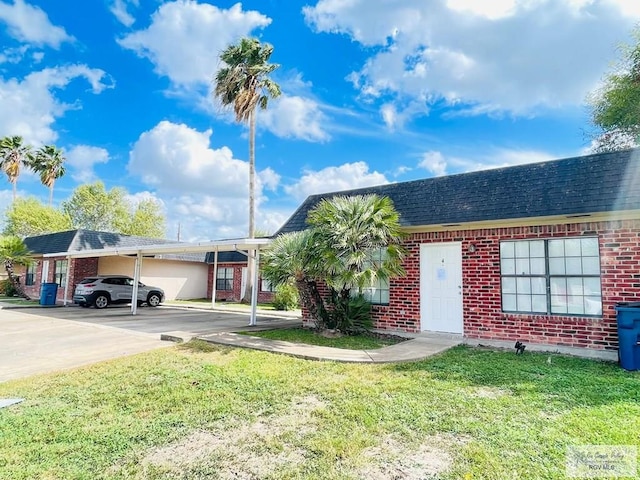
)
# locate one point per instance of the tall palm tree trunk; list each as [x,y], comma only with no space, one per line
[15,190]
[251,264]
[51,194]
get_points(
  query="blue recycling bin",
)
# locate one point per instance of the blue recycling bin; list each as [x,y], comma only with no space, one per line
[628,318]
[48,293]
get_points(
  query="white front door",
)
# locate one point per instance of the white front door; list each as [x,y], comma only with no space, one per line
[441,287]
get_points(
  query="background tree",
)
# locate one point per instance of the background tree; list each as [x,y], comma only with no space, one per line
[145,220]
[243,83]
[14,154]
[14,252]
[28,217]
[49,164]
[92,207]
[616,104]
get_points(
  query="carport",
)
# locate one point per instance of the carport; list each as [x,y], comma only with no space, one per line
[250,247]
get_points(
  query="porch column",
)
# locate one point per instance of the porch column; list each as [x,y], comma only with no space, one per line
[254,292]
[214,279]
[66,284]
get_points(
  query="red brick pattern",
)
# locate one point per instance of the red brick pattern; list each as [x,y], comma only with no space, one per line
[483,318]
[234,295]
[78,269]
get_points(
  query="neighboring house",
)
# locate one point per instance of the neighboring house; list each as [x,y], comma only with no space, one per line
[231,278]
[181,276]
[539,253]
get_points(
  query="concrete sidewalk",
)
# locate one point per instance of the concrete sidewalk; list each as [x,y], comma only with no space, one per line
[418,348]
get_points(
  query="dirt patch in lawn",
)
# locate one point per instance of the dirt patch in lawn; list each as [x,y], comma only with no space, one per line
[247,452]
[393,459]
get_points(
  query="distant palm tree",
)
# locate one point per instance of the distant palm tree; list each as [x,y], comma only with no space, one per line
[13,156]
[49,164]
[13,252]
[243,82]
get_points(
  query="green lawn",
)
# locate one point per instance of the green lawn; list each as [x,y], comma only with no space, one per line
[305,335]
[202,411]
[19,301]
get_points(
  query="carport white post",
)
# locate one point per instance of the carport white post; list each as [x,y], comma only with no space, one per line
[214,282]
[137,268]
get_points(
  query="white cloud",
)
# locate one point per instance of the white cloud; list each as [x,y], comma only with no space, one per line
[82,159]
[333,179]
[173,159]
[440,164]
[507,56]
[434,162]
[30,24]
[185,39]
[33,105]
[295,117]
[119,8]
[13,55]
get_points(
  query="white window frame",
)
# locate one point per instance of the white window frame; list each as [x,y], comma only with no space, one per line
[553,276]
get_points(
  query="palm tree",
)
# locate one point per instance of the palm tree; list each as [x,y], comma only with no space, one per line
[13,252]
[243,82]
[352,243]
[292,258]
[360,241]
[49,163]
[14,155]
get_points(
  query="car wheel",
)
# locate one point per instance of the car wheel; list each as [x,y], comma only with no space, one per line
[153,300]
[101,301]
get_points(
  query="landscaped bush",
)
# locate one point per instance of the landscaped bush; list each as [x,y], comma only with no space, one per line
[350,315]
[286,297]
[7,289]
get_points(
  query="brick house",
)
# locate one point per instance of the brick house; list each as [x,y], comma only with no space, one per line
[539,253]
[181,276]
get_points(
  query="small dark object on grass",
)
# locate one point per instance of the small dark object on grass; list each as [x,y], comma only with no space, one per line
[520,347]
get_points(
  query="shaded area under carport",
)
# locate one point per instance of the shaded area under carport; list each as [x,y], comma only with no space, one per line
[166,319]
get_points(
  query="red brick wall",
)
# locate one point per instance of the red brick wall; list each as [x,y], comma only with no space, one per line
[78,269]
[234,295]
[620,278]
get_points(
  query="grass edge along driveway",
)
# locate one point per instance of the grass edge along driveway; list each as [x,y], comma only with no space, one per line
[203,411]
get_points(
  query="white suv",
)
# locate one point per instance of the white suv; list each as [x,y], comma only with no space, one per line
[100,291]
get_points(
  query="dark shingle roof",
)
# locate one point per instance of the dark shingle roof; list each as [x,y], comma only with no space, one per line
[80,240]
[590,184]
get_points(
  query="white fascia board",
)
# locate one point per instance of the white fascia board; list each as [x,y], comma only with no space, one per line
[169,248]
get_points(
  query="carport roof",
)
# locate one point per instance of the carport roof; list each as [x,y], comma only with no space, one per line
[158,250]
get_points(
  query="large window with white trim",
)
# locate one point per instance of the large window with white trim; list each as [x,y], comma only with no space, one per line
[378,293]
[224,278]
[553,276]
[60,272]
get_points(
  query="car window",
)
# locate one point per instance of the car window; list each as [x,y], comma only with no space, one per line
[88,280]
[128,282]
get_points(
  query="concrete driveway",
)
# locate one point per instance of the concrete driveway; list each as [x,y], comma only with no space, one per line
[41,340]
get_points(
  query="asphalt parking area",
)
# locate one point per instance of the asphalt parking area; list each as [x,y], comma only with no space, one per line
[160,320]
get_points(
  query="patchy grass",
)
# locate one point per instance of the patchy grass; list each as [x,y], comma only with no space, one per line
[206,411]
[308,336]
[20,301]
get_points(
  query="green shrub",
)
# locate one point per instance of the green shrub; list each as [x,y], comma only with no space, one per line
[286,297]
[7,289]
[350,315]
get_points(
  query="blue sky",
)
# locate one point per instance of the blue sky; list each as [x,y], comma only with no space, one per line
[374,91]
